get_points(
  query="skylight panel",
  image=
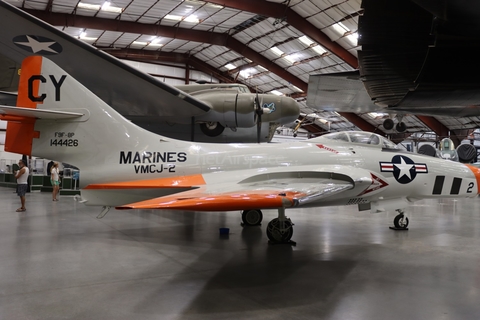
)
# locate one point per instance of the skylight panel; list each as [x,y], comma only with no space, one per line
[340,28]
[109,8]
[319,49]
[88,6]
[83,36]
[292,58]
[306,40]
[353,38]
[277,51]
[106,6]
[230,66]
[192,18]
[173,17]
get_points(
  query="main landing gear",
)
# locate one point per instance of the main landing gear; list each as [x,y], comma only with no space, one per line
[252,217]
[400,221]
[388,124]
[279,230]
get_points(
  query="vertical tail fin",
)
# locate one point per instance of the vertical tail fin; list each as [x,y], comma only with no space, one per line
[58,118]
[20,134]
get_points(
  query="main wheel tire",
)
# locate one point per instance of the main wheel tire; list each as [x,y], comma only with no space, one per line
[252,217]
[274,233]
[401,127]
[398,223]
[212,129]
[388,124]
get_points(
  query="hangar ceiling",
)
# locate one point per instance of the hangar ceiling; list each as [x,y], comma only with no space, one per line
[271,46]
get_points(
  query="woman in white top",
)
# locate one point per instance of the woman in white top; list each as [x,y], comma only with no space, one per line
[22,183]
[54,179]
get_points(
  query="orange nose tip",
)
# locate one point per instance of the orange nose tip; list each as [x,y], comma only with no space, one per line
[476,172]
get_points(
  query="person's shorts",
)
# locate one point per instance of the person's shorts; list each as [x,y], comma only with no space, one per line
[55,183]
[22,189]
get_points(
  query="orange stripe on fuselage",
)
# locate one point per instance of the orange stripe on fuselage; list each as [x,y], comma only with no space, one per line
[20,131]
[175,182]
[476,172]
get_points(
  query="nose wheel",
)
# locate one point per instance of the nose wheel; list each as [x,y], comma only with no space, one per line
[400,221]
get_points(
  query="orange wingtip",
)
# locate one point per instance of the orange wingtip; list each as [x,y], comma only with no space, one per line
[174,182]
[197,201]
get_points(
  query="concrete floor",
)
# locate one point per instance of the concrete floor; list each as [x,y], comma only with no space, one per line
[57,261]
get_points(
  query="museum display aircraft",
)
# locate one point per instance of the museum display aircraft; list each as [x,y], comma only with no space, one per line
[127,167]
[198,114]
[417,57]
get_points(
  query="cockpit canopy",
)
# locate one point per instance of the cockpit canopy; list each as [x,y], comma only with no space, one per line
[358,138]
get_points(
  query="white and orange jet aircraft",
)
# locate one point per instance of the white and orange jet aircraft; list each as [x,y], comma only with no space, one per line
[127,167]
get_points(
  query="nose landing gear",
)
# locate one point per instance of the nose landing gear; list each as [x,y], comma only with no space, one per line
[400,221]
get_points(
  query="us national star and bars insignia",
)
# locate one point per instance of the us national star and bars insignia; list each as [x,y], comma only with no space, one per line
[37,44]
[404,169]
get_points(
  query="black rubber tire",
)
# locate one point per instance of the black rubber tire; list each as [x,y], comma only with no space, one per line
[396,222]
[252,217]
[212,129]
[275,235]
[401,127]
[388,124]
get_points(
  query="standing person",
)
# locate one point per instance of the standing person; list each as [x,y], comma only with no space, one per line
[54,179]
[22,183]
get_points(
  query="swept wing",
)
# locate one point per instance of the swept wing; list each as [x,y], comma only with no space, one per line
[247,189]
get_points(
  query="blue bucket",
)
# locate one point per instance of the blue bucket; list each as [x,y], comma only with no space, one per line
[224,230]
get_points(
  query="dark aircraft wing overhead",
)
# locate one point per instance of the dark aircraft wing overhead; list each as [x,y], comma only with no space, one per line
[343,91]
[129,91]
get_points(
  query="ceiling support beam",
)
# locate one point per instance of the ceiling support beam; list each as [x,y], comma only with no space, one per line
[215,38]
[440,130]
[281,11]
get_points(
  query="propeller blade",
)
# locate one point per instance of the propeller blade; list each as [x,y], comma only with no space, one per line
[258,115]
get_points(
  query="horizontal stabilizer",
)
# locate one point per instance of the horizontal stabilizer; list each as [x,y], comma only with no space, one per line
[6,111]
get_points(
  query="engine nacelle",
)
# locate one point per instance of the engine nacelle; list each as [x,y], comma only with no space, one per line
[230,110]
